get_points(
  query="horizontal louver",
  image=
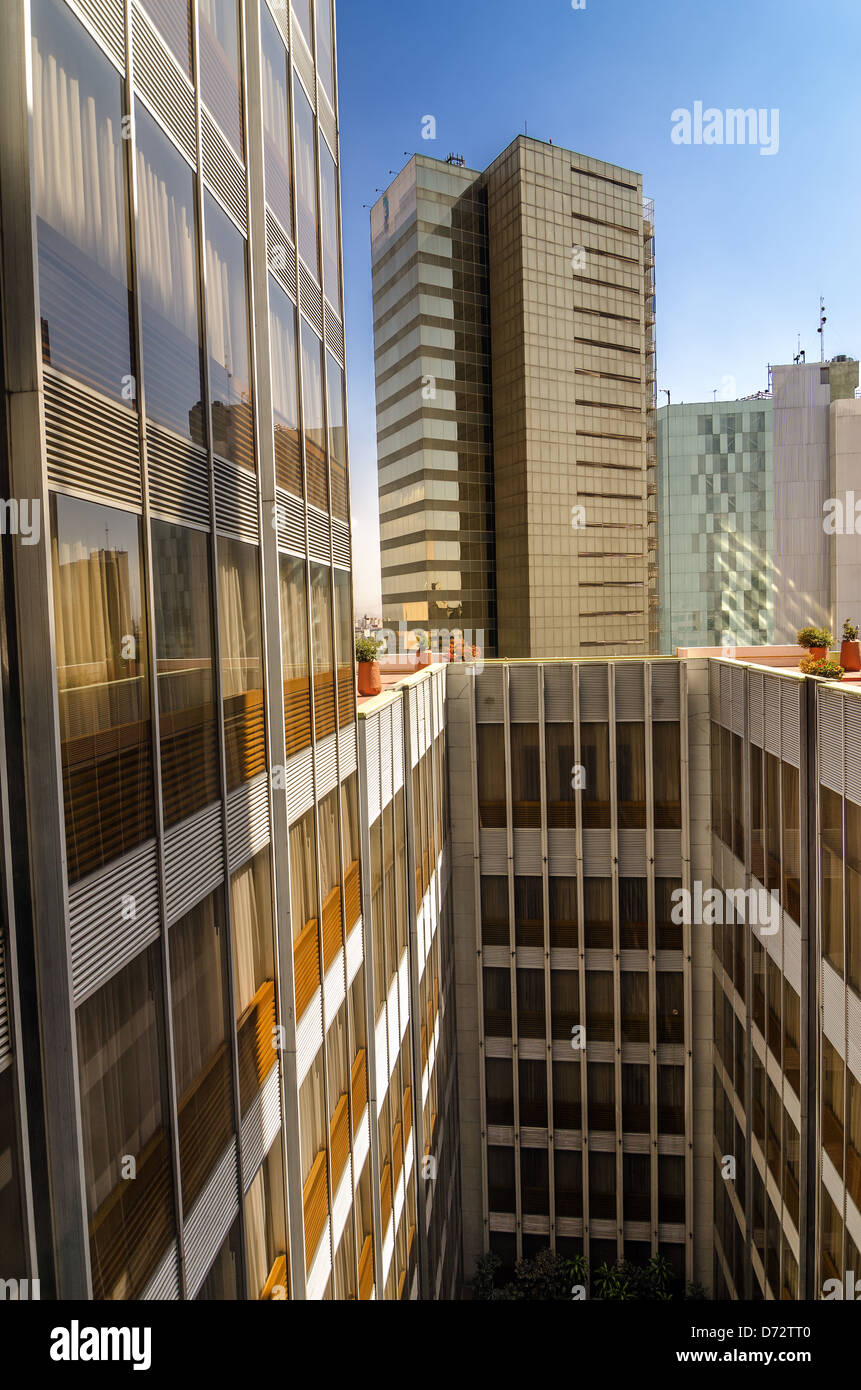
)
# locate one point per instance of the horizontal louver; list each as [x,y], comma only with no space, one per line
[629,690]
[236,504]
[594,701]
[523,694]
[665,690]
[318,536]
[830,728]
[247,821]
[178,477]
[334,332]
[341,544]
[210,1219]
[223,171]
[281,255]
[5,1025]
[159,80]
[193,861]
[558,694]
[310,299]
[106,18]
[92,445]
[113,916]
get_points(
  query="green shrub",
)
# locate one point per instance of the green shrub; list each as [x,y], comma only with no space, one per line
[815,637]
[850,631]
[367,648]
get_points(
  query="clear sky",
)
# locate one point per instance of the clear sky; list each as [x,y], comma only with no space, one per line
[745,242]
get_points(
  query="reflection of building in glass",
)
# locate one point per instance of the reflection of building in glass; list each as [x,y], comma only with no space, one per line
[743,552]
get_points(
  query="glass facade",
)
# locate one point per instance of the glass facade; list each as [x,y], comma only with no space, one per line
[166,659]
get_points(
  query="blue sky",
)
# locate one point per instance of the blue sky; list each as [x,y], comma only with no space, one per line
[745,242]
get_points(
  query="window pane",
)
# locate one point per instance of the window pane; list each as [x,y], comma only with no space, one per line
[285,389]
[81,208]
[329,225]
[325,68]
[294,654]
[303,900]
[595,757]
[241,664]
[124,1114]
[201,1054]
[321,631]
[344,647]
[525,775]
[491,775]
[276,122]
[302,12]
[172,18]
[306,179]
[350,832]
[229,354]
[168,273]
[337,437]
[12,1243]
[266,1229]
[559,752]
[667,773]
[219,66]
[631,775]
[186,692]
[105,729]
[312,417]
[254,974]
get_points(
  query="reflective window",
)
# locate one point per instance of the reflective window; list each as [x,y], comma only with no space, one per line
[13,1258]
[329,225]
[241,662]
[833,1103]
[302,12]
[499,1085]
[344,647]
[350,833]
[105,727]
[276,122]
[631,775]
[831,850]
[306,179]
[325,65]
[184,669]
[219,66]
[667,774]
[559,756]
[330,876]
[201,1053]
[285,389]
[253,974]
[312,418]
[229,351]
[337,438]
[81,206]
[491,775]
[123,1072]
[266,1229]
[168,274]
[294,654]
[595,759]
[321,632]
[303,899]
[525,775]
[172,18]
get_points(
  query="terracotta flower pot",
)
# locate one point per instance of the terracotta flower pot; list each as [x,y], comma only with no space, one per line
[850,656]
[369,678]
[818,653]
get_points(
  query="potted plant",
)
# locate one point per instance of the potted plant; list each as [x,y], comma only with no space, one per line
[850,651]
[423,655]
[367,651]
[817,640]
[823,668]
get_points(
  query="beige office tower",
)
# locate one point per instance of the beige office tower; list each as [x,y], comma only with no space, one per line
[572,332]
[542,269]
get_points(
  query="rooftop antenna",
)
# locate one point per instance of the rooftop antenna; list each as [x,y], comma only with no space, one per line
[821,329]
[801,355]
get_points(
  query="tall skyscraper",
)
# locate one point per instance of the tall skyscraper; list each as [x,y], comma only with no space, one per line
[187,1095]
[744,552]
[514,321]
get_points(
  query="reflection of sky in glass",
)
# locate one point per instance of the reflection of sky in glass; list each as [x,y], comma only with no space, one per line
[83,528]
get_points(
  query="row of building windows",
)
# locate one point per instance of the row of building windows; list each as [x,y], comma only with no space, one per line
[588,777]
[84,252]
[559,926]
[568,1167]
[103,670]
[601,1011]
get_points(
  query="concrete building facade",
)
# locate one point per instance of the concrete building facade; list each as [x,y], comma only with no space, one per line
[541,326]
